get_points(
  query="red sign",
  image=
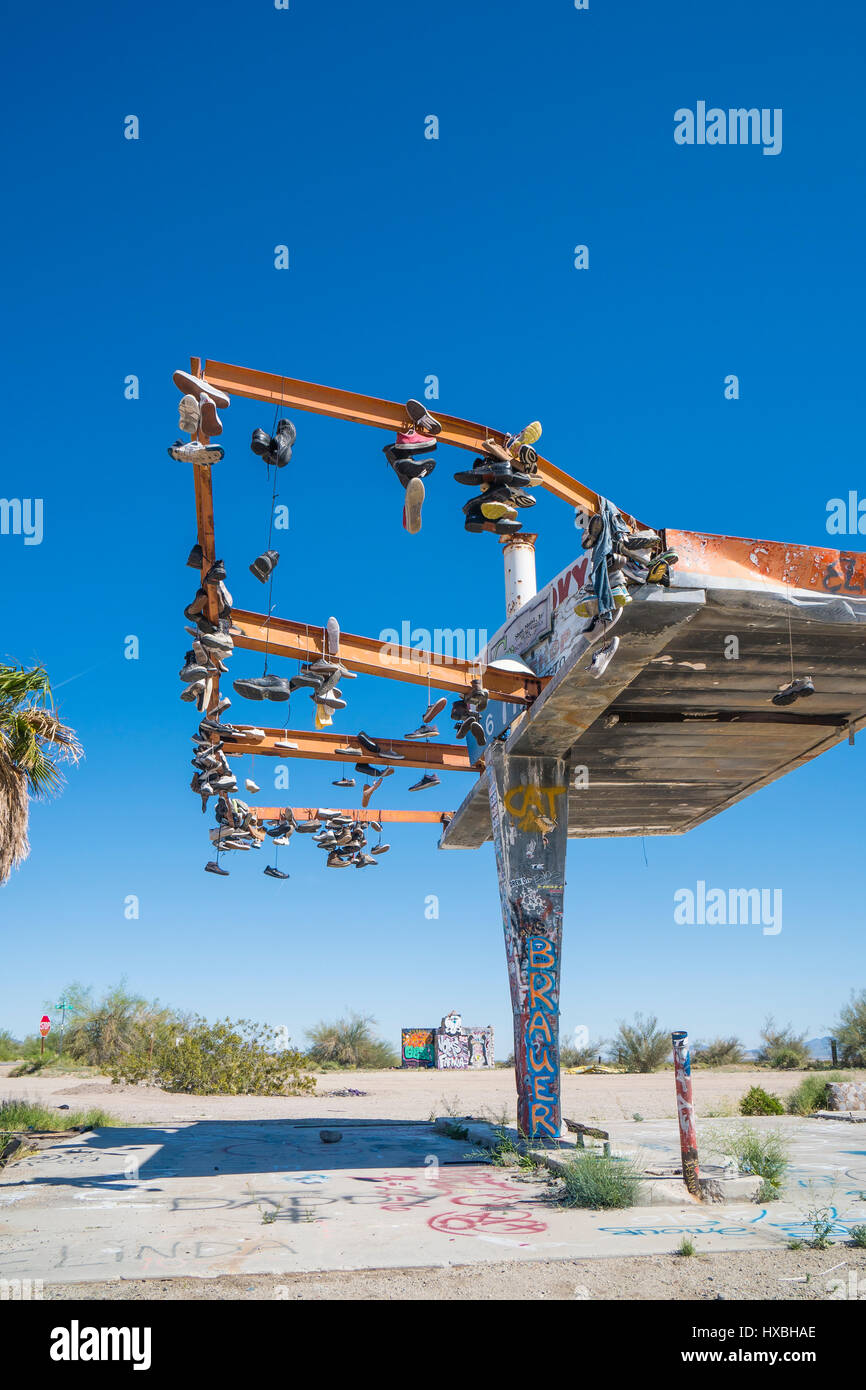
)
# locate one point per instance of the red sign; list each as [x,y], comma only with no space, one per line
[45,1025]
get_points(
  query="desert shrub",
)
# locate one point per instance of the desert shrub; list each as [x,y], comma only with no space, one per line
[572,1056]
[850,1031]
[599,1181]
[100,1033]
[811,1094]
[721,1052]
[641,1045]
[223,1059]
[757,1101]
[350,1042]
[762,1153]
[782,1048]
[858,1236]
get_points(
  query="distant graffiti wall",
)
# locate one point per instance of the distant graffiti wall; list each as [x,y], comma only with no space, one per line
[418,1047]
[455,1048]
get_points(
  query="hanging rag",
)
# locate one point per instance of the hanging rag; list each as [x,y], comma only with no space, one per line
[613,530]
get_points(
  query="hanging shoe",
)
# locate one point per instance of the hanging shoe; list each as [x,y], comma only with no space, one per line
[411,442]
[585,603]
[412,504]
[369,744]
[421,417]
[498,511]
[640,540]
[273,872]
[281,444]
[260,442]
[216,574]
[331,699]
[213,868]
[659,573]
[344,782]
[211,424]
[203,455]
[251,786]
[435,708]
[368,770]
[594,528]
[195,559]
[369,789]
[794,690]
[529,435]
[189,415]
[428,780]
[264,565]
[603,656]
[197,386]
[380,849]
[425,731]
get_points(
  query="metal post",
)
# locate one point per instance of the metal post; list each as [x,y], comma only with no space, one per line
[529,814]
[520,581]
[686,1111]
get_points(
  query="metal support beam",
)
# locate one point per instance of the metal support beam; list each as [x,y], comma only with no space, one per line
[529,813]
[344,748]
[372,657]
[292,394]
[363,817]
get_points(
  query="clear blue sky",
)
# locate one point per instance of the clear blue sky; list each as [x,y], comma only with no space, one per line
[410,257]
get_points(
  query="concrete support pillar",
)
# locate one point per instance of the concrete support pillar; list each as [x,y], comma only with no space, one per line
[520,582]
[529,815]
[686,1111]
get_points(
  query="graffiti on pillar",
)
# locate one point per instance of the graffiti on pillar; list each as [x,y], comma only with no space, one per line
[528,812]
[481,1047]
[542,1042]
[534,808]
[686,1111]
[418,1047]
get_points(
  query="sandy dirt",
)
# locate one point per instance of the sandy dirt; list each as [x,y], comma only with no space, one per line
[411,1095]
[772,1275]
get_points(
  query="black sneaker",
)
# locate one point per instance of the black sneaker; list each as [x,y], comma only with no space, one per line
[273,872]
[368,744]
[428,780]
[421,418]
[216,573]
[344,782]
[195,559]
[368,770]
[264,565]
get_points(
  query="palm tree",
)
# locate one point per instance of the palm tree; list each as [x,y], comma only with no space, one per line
[32,742]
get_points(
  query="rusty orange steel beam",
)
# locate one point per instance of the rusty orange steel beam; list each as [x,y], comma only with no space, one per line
[386,415]
[371,657]
[363,816]
[344,748]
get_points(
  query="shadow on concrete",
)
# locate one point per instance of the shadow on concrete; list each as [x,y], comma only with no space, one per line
[130,1157]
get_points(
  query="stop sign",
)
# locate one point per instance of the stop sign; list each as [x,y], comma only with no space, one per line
[45,1025]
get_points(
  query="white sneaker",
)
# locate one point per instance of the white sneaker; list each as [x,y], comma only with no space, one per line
[603,657]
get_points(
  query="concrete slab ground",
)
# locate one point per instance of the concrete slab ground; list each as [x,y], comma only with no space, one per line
[209,1198]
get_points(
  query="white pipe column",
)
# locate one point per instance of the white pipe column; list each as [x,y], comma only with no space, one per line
[520,584]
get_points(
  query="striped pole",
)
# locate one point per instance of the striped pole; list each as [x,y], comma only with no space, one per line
[686,1111]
